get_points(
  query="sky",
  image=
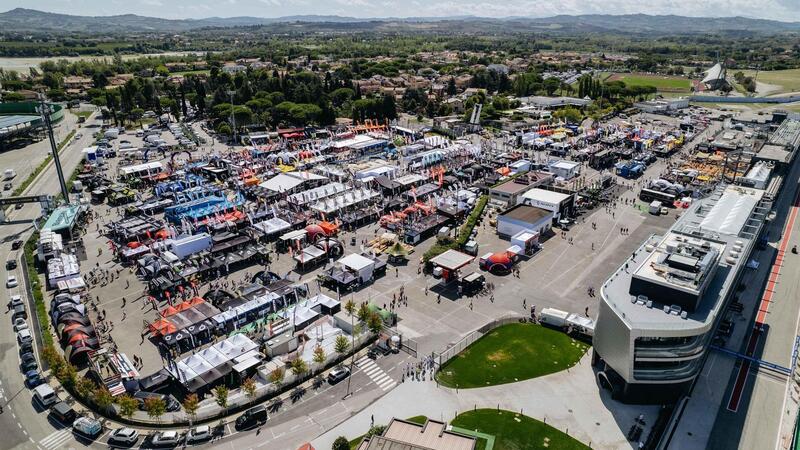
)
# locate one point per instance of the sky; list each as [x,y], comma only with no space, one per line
[784,10]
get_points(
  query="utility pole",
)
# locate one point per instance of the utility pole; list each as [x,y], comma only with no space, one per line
[233,118]
[45,110]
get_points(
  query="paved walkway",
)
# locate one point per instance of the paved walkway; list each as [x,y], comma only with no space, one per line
[567,400]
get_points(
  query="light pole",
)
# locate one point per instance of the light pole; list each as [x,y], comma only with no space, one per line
[233,118]
[45,110]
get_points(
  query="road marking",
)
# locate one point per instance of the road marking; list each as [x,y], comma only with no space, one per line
[56,439]
[376,373]
[763,309]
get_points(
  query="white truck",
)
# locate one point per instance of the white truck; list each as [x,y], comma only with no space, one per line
[655,207]
[568,322]
[9,174]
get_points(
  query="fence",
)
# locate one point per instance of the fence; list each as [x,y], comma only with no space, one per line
[407,345]
[450,352]
[723,99]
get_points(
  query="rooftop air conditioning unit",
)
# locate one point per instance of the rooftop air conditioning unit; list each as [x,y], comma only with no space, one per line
[684,315]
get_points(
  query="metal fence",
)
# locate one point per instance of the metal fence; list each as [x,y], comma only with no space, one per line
[450,352]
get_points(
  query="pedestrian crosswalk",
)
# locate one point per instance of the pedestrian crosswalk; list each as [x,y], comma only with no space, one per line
[56,439]
[375,373]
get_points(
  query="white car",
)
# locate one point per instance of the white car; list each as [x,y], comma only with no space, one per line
[198,434]
[165,438]
[20,324]
[24,336]
[124,436]
[11,281]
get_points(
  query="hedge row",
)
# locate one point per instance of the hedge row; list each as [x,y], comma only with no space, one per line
[36,289]
[463,233]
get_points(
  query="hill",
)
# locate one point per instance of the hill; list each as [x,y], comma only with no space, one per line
[31,21]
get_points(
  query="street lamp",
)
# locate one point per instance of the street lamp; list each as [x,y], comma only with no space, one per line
[45,110]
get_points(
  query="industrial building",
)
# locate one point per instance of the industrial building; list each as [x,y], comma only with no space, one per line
[661,309]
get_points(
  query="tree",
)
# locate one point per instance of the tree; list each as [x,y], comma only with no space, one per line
[221,396]
[319,355]
[190,406]
[374,322]
[276,376]
[127,406]
[341,443]
[299,367]
[103,398]
[249,388]
[451,86]
[68,376]
[570,114]
[551,85]
[341,344]
[85,387]
[363,312]
[155,407]
[350,306]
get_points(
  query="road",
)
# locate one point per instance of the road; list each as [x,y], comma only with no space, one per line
[21,425]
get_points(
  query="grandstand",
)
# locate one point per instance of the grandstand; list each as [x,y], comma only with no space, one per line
[20,120]
[715,78]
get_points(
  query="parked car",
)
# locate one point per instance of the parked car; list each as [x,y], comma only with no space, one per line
[170,402]
[27,366]
[7,186]
[24,336]
[124,436]
[20,324]
[16,300]
[198,434]
[33,378]
[11,282]
[63,413]
[11,264]
[251,418]
[19,313]
[25,348]
[338,374]
[16,244]
[87,427]
[45,395]
[165,439]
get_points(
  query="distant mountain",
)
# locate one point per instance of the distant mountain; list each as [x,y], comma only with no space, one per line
[29,20]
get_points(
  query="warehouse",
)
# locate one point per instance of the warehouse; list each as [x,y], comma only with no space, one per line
[561,205]
[524,218]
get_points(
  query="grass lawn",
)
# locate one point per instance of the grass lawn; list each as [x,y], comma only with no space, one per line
[661,82]
[515,432]
[84,114]
[511,353]
[191,72]
[788,80]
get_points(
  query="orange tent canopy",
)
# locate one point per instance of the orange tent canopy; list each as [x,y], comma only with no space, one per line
[306,446]
[196,301]
[162,327]
[183,306]
[329,228]
[169,311]
[504,171]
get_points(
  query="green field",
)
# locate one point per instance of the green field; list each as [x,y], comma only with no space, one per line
[514,431]
[511,353]
[661,82]
[191,72]
[788,80]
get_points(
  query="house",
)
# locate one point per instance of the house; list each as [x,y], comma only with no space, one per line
[80,83]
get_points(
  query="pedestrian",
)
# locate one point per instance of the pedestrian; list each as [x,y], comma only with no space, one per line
[524,303]
[371,420]
[587,311]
